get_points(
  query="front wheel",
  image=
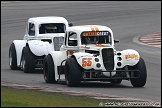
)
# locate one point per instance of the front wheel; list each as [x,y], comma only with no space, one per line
[141,80]
[28,60]
[49,70]
[72,72]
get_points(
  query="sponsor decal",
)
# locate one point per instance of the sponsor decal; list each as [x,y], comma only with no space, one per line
[85,56]
[95,33]
[99,45]
[131,56]
[82,46]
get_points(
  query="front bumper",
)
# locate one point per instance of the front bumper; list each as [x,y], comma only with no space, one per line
[97,75]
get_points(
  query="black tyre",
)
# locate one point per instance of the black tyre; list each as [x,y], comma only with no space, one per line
[141,81]
[49,70]
[72,72]
[116,81]
[28,60]
[13,57]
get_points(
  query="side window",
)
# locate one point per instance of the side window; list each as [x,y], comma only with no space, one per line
[72,39]
[31,29]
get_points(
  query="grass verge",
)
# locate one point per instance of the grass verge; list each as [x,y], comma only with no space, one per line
[11,97]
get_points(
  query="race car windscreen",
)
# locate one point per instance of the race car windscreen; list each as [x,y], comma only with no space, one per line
[52,28]
[96,37]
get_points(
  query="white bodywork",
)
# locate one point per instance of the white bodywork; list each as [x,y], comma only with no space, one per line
[128,57]
[35,43]
[58,56]
[19,44]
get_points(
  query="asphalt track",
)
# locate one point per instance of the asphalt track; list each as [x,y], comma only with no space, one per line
[127,19]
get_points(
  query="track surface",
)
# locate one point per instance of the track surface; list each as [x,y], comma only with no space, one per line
[127,19]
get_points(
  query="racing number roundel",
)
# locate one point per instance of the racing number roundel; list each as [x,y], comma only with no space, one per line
[86,62]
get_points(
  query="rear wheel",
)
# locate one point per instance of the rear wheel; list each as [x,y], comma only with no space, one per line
[49,70]
[13,57]
[28,60]
[141,81]
[72,72]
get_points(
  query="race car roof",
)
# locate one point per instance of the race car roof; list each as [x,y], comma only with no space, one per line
[48,19]
[82,28]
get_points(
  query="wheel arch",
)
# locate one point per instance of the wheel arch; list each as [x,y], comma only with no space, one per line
[19,44]
[40,48]
[79,57]
[128,57]
[58,57]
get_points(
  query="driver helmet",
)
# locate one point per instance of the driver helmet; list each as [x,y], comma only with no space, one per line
[50,28]
[92,39]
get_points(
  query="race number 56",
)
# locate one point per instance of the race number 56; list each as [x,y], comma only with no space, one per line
[86,62]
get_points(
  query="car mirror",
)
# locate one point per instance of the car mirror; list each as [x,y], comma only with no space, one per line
[70,24]
[116,41]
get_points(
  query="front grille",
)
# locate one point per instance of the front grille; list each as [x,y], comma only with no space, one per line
[58,41]
[108,58]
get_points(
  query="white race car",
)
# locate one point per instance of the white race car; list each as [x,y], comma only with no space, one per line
[43,34]
[88,54]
